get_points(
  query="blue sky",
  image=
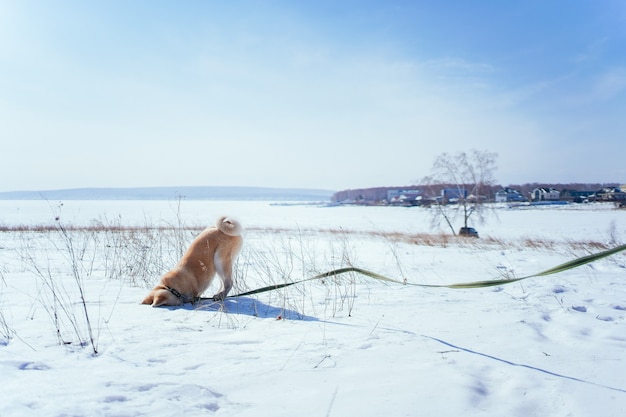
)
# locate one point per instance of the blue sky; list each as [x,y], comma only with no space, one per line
[316,94]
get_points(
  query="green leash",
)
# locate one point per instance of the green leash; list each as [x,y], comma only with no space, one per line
[476,284]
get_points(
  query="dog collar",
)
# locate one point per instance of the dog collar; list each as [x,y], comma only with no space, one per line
[181,297]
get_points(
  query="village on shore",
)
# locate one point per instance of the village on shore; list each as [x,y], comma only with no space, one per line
[449,194]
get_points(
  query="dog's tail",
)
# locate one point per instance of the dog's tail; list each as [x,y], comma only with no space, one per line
[229,226]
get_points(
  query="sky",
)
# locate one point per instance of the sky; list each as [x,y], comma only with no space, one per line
[326,94]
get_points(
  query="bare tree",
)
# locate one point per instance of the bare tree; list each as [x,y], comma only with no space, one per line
[458,186]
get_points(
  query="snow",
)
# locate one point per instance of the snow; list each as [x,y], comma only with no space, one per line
[550,346]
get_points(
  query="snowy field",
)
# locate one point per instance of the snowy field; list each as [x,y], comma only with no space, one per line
[74,340]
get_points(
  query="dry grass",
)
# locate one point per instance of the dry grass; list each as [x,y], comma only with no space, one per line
[95,227]
[443,240]
[440,240]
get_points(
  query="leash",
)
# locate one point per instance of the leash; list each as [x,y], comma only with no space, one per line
[466,285]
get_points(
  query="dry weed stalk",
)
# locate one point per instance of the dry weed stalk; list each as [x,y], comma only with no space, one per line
[74,256]
[6,331]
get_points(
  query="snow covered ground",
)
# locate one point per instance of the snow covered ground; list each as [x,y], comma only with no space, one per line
[551,346]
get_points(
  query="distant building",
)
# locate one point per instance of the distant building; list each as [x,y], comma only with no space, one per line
[452,195]
[506,195]
[545,194]
[577,196]
[616,194]
[404,197]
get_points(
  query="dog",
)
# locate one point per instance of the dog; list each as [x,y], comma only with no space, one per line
[213,251]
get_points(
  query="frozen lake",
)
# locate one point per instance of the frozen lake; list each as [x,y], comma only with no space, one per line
[600,222]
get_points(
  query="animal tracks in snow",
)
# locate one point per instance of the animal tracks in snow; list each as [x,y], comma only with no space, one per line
[25,366]
[149,398]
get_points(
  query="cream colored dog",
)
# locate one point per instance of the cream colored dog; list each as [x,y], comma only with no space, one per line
[214,250]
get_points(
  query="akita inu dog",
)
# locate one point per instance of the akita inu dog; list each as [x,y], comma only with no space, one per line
[213,251]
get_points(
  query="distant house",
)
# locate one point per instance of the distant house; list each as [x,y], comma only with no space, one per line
[404,197]
[396,194]
[577,196]
[506,195]
[616,194]
[545,194]
[452,195]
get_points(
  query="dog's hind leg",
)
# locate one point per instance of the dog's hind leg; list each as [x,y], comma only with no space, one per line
[224,268]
